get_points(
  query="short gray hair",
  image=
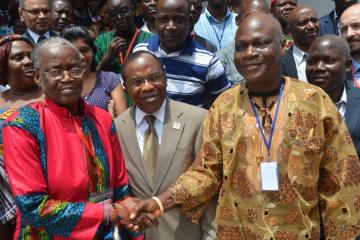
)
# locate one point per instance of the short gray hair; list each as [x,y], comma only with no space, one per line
[22,3]
[47,44]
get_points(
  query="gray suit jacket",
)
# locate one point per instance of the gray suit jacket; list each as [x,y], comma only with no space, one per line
[177,152]
[226,57]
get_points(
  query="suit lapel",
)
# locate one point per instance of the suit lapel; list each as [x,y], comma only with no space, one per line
[172,132]
[353,106]
[132,144]
[291,66]
[27,34]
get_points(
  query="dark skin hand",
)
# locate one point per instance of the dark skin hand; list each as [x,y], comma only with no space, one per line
[144,220]
[149,206]
[117,45]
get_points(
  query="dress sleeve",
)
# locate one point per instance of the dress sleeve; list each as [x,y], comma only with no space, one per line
[195,188]
[339,179]
[112,80]
[23,161]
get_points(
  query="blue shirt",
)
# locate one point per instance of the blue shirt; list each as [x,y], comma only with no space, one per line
[219,33]
[191,72]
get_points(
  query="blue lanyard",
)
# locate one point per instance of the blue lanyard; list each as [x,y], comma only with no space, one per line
[267,143]
[222,32]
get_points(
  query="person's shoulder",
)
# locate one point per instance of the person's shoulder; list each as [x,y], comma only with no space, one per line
[105,36]
[144,42]
[122,119]
[305,90]
[187,108]
[25,117]
[229,49]
[326,18]
[108,75]
[145,35]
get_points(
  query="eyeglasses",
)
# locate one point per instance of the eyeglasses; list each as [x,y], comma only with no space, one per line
[57,74]
[152,79]
[36,12]
[121,12]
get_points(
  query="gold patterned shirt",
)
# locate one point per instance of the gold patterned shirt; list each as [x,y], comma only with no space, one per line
[319,171]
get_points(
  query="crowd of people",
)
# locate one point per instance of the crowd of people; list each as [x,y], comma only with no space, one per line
[179,119]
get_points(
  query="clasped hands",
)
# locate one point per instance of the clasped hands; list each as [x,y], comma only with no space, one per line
[135,214]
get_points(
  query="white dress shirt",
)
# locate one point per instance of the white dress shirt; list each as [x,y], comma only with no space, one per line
[341,105]
[142,126]
[36,36]
[300,62]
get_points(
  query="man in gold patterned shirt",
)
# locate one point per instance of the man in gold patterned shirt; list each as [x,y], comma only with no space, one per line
[275,149]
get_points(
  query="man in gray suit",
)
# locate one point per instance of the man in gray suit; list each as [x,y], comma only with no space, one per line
[159,138]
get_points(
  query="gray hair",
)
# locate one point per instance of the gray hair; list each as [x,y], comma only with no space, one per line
[22,3]
[47,44]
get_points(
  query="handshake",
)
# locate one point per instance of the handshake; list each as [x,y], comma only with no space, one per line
[133,213]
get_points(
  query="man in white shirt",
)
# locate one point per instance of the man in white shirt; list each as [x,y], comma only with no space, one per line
[304,28]
[36,15]
[159,138]
[148,10]
[329,59]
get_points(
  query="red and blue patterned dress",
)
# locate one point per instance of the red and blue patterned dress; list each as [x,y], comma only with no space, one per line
[52,175]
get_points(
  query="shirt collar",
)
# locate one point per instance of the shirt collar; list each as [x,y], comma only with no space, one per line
[36,36]
[145,28]
[356,65]
[298,55]
[62,111]
[208,15]
[154,45]
[159,114]
[343,98]
[336,17]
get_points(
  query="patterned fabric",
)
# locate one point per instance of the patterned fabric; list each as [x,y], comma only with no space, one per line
[7,202]
[191,73]
[319,170]
[100,95]
[219,33]
[103,41]
[41,140]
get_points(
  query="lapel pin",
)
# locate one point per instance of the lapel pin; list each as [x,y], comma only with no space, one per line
[176,125]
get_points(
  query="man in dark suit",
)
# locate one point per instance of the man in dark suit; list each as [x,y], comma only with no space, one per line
[159,138]
[330,23]
[304,27]
[329,59]
[36,15]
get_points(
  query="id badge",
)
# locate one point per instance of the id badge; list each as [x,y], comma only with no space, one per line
[269,176]
[101,197]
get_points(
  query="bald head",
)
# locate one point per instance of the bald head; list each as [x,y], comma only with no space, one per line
[261,20]
[298,12]
[328,61]
[304,26]
[331,41]
[252,6]
[258,51]
[350,22]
